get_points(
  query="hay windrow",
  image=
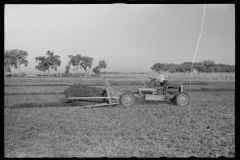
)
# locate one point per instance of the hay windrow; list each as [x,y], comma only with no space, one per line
[79,90]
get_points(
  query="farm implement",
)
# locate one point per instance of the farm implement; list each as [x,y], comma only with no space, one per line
[110,98]
[173,92]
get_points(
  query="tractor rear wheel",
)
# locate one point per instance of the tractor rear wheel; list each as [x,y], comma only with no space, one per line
[127,99]
[182,99]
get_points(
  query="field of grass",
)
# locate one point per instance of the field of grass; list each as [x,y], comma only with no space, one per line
[171,76]
[209,77]
[43,94]
[205,128]
[18,99]
[179,76]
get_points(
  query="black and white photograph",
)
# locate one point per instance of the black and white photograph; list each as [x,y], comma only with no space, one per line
[119,80]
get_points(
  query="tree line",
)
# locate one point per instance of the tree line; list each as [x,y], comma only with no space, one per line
[15,58]
[204,66]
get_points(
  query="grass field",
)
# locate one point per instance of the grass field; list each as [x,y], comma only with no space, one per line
[209,77]
[205,128]
[178,76]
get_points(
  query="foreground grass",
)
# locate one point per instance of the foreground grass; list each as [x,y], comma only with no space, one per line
[34,89]
[20,99]
[143,130]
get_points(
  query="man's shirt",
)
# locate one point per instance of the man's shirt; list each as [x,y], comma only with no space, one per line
[160,78]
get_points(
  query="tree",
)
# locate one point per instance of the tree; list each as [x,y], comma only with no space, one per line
[210,69]
[187,66]
[101,64]
[172,67]
[207,64]
[75,61]
[9,61]
[199,66]
[225,68]
[232,68]
[159,66]
[181,68]
[67,69]
[50,61]
[96,70]
[83,62]
[86,62]
[21,56]
[217,68]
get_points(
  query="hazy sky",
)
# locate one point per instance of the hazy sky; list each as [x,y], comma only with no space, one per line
[129,37]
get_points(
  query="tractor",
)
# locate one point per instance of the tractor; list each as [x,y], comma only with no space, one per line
[173,92]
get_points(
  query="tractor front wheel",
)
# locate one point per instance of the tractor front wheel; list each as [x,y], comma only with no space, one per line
[182,99]
[127,99]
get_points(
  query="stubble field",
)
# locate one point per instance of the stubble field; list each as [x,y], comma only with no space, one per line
[37,124]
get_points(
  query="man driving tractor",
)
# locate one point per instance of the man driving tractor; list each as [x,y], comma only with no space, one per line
[157,80]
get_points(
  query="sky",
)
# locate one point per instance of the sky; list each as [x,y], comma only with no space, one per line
[129,37]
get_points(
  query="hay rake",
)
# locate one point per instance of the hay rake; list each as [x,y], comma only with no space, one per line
[111,97]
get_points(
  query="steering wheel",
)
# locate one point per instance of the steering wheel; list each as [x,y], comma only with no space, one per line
[153,79]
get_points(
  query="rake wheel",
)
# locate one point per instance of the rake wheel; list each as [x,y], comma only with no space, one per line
[127,99]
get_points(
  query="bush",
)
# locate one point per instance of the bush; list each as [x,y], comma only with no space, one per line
[95,75]
[67,75]
[79,74]
[21,74]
